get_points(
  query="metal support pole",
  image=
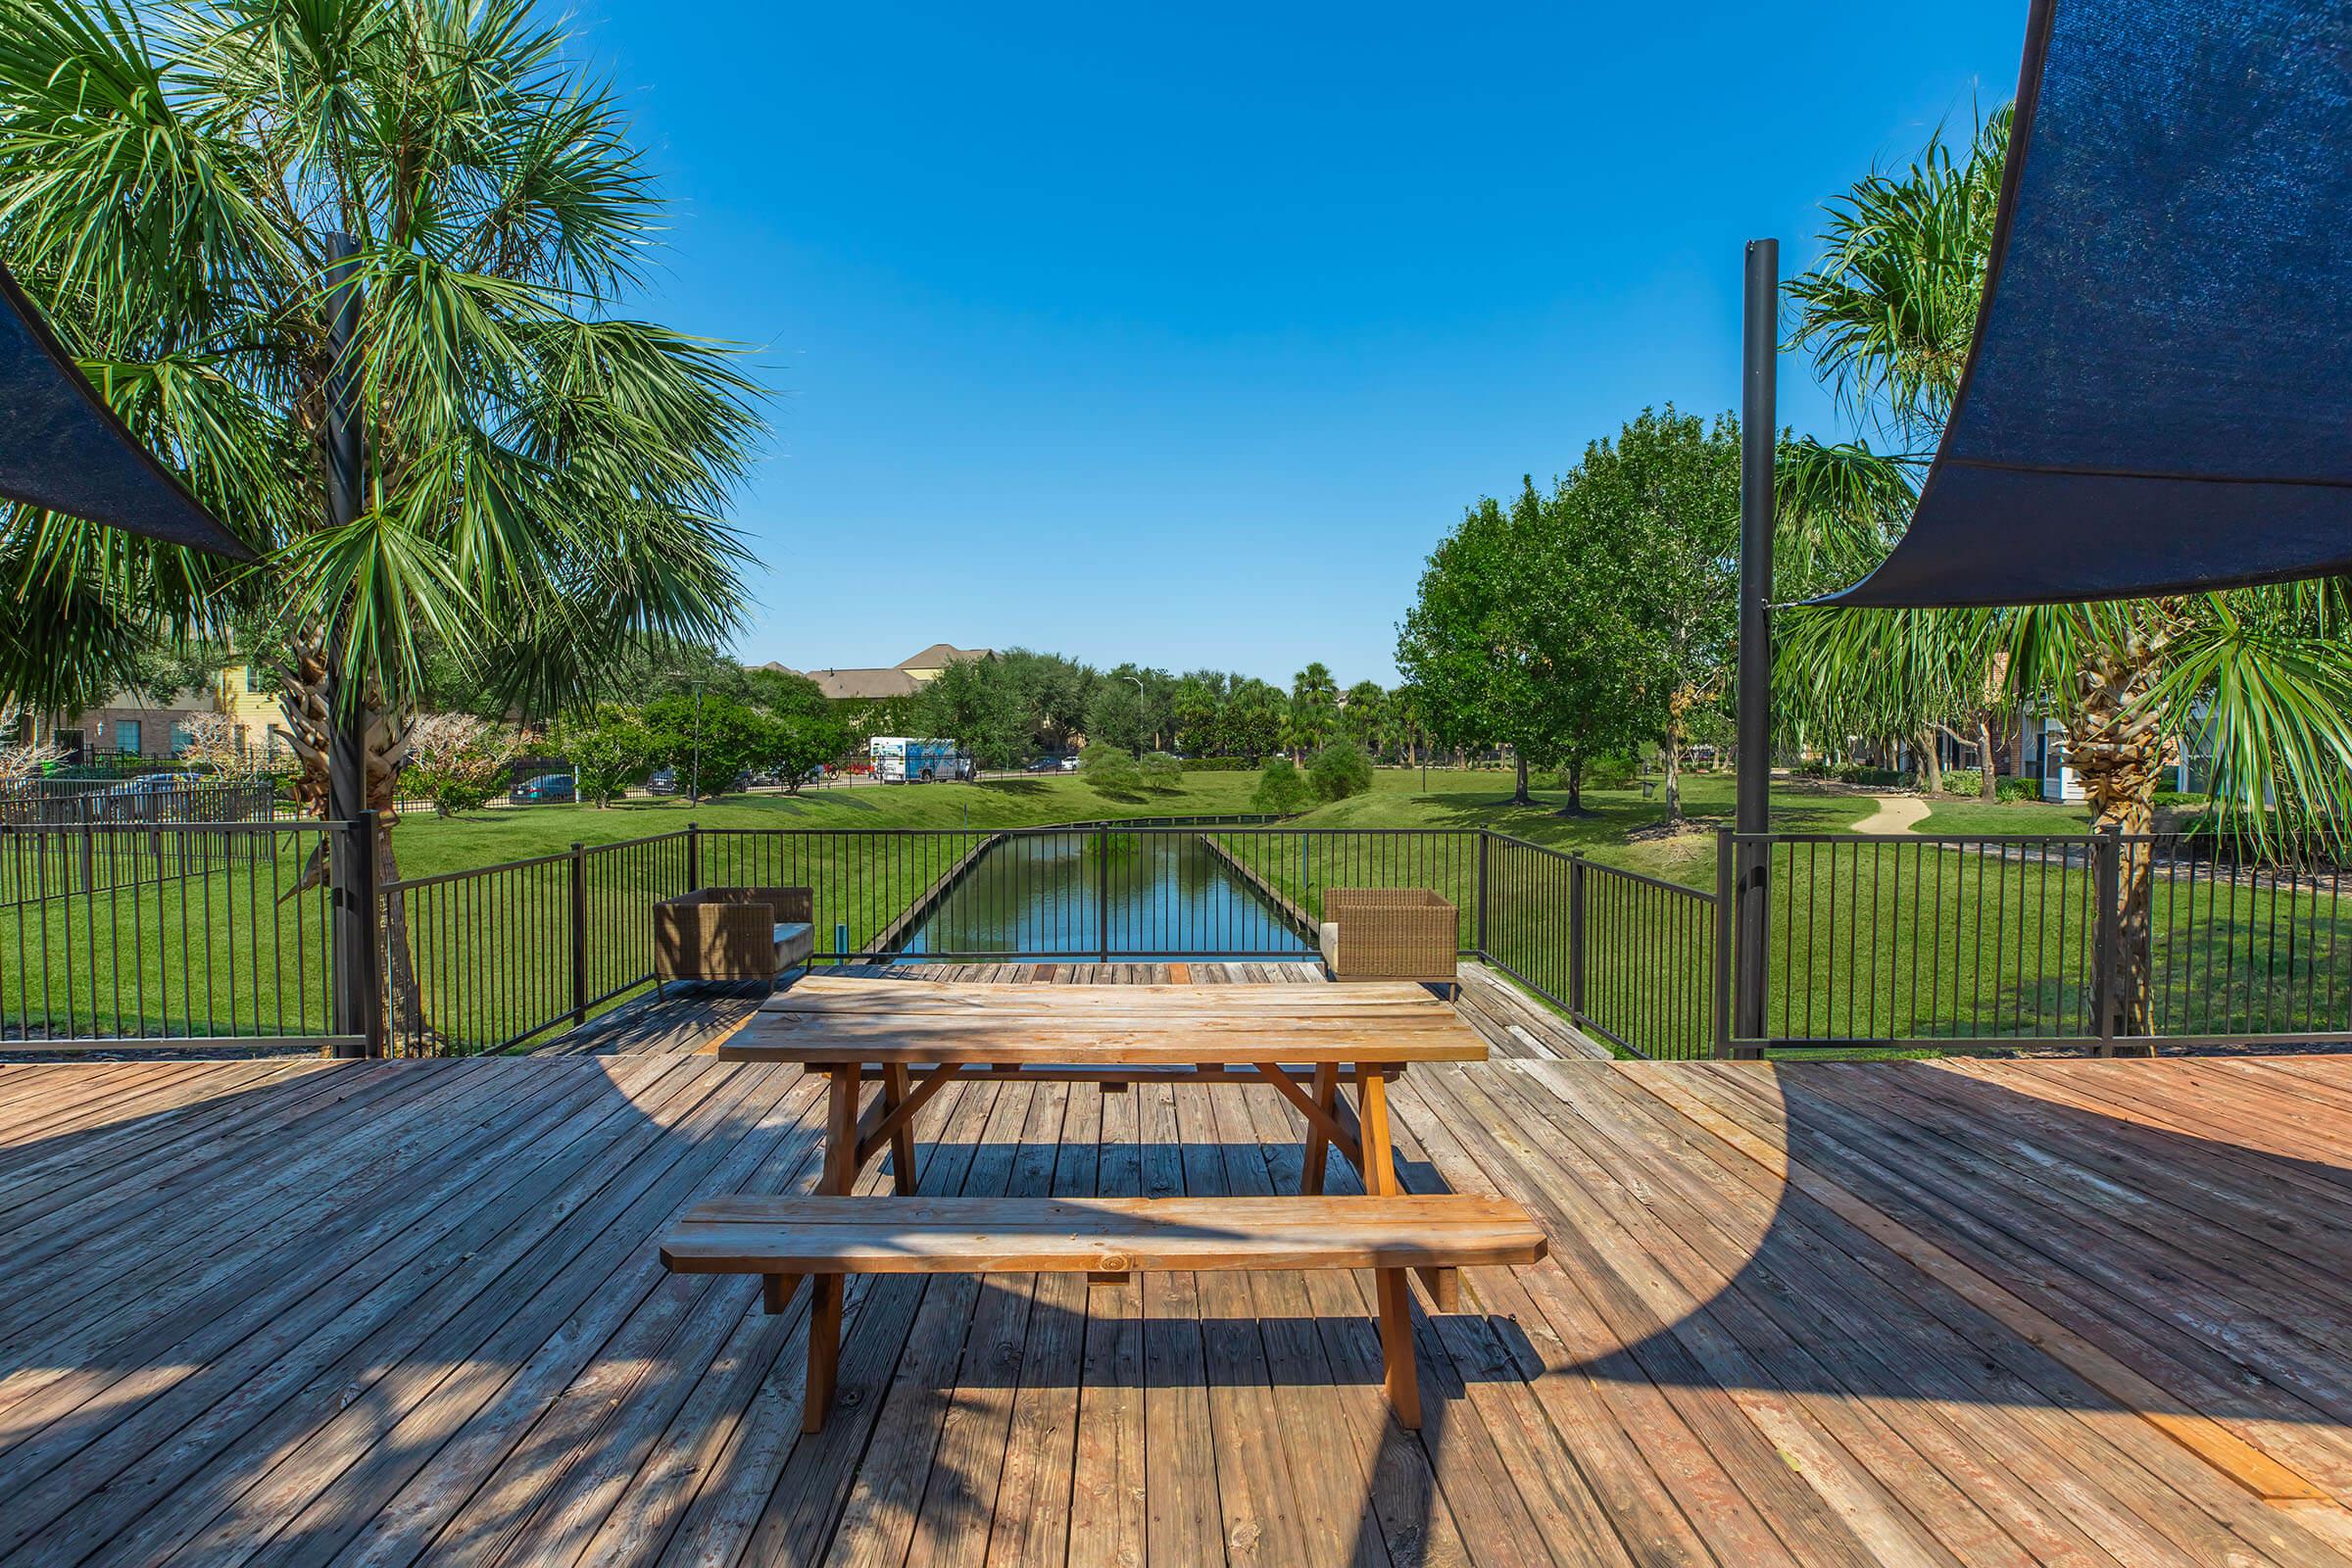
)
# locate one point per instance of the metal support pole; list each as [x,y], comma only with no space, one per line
[694,857]
[1759,433]
[358,988]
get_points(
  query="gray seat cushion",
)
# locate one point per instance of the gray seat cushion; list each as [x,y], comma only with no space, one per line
[1329,933]
[796,939]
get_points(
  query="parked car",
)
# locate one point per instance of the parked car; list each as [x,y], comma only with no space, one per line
[663,781]
[546,789]
[152,784]
[1069,764]
[1045,764]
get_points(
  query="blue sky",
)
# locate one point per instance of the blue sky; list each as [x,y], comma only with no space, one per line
[1182,335]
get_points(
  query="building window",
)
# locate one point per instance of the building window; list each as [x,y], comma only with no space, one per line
[127,736]
[253,678]
[181,739]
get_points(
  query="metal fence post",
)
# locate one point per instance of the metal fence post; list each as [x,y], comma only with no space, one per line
[359,990]
[694,857]
[1725,897]
[2107,865]
[1485,837]
[1102,888]
[1576,936]
[579,934]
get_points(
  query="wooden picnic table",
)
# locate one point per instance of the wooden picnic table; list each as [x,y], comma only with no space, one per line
[917,1037]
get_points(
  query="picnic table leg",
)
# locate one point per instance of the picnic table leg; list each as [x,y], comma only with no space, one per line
[1318,1141]
[902,1141]
[1395,1293]
[825,1290]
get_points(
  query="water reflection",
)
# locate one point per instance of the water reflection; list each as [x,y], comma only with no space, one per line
[1047,894]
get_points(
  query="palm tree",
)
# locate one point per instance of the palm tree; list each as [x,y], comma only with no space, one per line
[1314,707]
[1366,711]
[1889,312]
[544,475]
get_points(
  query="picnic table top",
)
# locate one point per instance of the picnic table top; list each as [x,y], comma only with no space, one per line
[828,1020]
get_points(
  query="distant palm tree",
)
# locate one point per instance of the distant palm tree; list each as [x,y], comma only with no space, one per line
[2267,673]
[1314,709]
[545,477]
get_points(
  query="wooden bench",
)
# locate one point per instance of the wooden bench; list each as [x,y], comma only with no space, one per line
[785,1239]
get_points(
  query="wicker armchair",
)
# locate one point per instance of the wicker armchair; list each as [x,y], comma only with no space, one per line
[1389,933]
[733,934]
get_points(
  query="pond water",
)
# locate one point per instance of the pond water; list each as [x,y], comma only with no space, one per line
[1048,895]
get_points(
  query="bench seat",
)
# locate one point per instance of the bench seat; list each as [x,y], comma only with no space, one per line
[785,1239]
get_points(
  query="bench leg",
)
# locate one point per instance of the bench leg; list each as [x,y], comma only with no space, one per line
[902,1141]
[1395,1291]
[775,1291]
[1318,1143]
[824,1351]
[1445,1288]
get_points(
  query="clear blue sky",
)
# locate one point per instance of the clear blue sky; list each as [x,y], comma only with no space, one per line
[1183,334]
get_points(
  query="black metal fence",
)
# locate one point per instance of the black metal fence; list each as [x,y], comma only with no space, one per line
[165,931]
[230,930]
[174,798]
[2100,940]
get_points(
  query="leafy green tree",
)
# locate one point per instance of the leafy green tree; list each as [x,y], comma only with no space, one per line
[802,743]
[783,693]
[1518,637]
[1161,773]
[1660,504]
[1115,718]
[1197,705]
[1281,789]
[1339,770]
[710,741]
[610,753]
[545,477]
[1254,719]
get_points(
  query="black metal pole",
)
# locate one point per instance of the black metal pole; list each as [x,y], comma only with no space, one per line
[355,993]
[1759,433]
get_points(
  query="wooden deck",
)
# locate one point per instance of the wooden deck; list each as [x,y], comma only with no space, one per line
[2071,1312]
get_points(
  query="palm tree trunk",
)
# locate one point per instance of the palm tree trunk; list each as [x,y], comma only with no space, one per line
[310,730]
[2117,743]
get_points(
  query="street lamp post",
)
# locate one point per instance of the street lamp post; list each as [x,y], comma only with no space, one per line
[1141,702]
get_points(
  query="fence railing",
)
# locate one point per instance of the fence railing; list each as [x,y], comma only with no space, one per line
[1627,957]
[166,930]
[119,931]
[2100,940]
[76,803]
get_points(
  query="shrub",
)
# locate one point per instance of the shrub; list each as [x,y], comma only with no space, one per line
[459,762]
[607,754]
[1963,781]
[1161,773]
[2017,789]
[1281,789]
[1608,773]
[1109,770]
[1339,770]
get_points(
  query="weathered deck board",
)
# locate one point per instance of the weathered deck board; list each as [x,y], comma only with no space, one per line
[2037,1312]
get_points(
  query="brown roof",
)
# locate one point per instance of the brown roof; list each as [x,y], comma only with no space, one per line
[939,656]
[852,683]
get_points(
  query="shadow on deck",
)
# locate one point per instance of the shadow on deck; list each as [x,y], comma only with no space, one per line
[2068,1312]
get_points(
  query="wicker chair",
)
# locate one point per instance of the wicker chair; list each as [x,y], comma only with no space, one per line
[1389,933]
[733,934]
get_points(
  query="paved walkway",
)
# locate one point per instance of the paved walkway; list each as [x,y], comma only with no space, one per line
[1896,813]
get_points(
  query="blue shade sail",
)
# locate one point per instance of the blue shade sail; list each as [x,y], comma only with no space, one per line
[61,449]
[2159,394]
